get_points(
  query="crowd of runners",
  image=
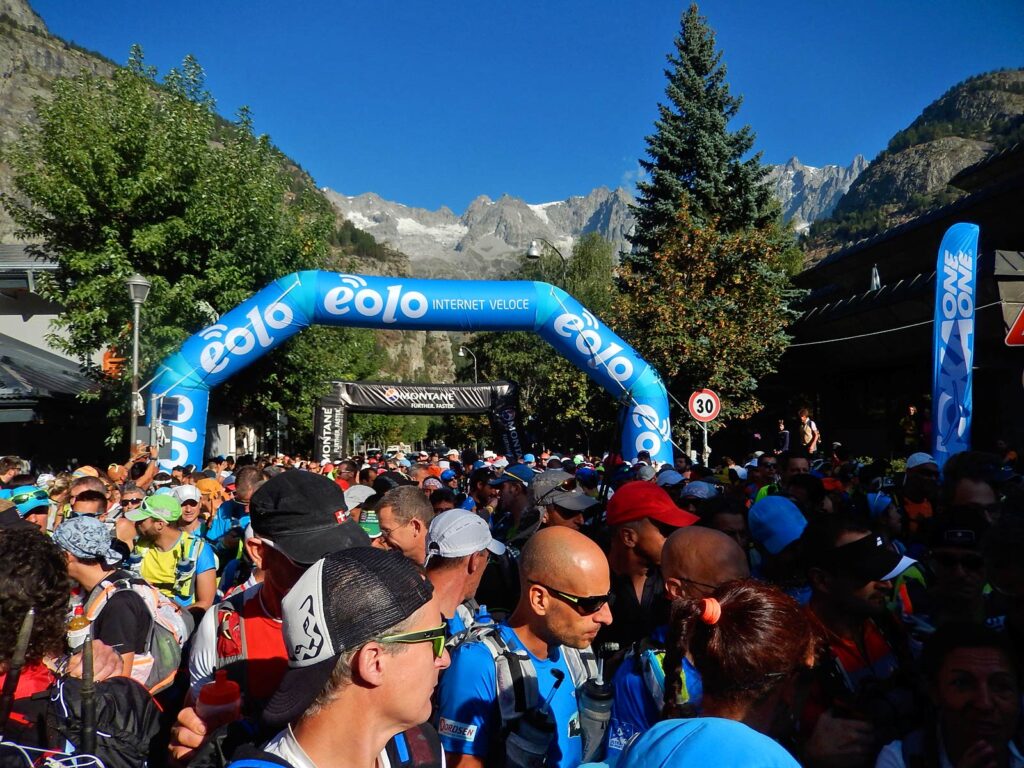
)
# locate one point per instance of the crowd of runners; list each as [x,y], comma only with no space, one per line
[449,608]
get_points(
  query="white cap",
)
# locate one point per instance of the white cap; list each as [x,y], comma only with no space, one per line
[185,493]
[459,532]
[490,455]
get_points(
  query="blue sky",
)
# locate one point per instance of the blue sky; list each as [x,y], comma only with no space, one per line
[432,104]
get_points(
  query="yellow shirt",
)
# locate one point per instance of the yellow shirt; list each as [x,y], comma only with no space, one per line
[159,568]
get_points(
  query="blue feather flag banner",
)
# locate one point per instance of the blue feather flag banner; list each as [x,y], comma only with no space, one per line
[956,281]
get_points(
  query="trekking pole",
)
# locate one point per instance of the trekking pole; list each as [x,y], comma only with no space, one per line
[88,741]
[14,670]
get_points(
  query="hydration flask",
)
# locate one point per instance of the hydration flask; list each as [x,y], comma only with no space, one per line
[596,708]
[182,573]
[220,701]
[529,740]
[78,629]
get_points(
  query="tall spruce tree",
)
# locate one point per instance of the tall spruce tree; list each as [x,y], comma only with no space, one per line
[705,296]
[692,151]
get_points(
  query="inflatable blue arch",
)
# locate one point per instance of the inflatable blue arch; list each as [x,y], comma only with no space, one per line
[301,299]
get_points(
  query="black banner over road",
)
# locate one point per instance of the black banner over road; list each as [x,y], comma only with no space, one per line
[499,399]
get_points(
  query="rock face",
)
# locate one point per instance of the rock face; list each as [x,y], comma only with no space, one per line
[490,238]
[30,60]
[808,193]
[972,120]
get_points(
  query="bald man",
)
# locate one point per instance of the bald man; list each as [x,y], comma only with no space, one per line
[694,562]
[565,584]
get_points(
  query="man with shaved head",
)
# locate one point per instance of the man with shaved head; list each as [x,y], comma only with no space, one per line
[694,562]
[544,642]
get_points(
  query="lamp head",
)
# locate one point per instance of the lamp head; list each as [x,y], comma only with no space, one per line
[462,351]
[138,288]
[533,252]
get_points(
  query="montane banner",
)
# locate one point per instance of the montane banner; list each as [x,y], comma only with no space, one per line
[956,280]
[296,301]
[498,399]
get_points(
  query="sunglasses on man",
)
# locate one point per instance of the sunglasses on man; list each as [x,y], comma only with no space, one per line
[585,606]
[436,637]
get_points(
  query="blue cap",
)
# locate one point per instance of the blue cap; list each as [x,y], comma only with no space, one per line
[878,503]
[529,458]
[404,463]
[448,475]
[705,741]
[775,523]
[517,472]
[479,463]
[28,498]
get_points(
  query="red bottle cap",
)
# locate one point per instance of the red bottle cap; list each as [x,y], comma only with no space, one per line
[220,691]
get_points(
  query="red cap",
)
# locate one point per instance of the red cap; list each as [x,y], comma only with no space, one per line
[639,499]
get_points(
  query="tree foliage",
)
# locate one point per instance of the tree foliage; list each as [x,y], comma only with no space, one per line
[692,152]
[124,174]
[715,315]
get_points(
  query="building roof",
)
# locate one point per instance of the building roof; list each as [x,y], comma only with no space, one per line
[30,373]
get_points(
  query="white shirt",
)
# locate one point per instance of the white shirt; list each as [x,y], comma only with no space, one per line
[287,747]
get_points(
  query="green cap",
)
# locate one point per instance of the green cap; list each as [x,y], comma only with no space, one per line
[159,507]
[370,523]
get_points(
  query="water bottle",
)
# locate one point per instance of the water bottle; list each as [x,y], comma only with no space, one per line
[530,739]
[78,629]
[482,616]
[220,701]
[595,712]
[182,573]
[134,563]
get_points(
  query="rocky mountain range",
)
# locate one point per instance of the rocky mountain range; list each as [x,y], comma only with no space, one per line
[490,238]
[808,193]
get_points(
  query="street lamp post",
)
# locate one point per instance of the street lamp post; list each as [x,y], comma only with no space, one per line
[534,253]
[463,351]
[138,290]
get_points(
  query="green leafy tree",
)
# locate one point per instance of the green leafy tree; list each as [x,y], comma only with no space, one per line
[692,152]
[124,174]
[716,315]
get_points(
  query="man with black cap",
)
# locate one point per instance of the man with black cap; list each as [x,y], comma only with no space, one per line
[295,519]
[865,697]
[365,640]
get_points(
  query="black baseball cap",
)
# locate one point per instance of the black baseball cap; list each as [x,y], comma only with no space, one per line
[864,560]
[342,602]
[304,516]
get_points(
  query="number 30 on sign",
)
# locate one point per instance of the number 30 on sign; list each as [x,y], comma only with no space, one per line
[704,405]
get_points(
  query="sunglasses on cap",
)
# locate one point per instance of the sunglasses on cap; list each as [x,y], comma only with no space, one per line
[585,606]
[567,485]
[436,636]
[21,498]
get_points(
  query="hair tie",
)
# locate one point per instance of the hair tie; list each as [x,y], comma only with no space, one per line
[712,611]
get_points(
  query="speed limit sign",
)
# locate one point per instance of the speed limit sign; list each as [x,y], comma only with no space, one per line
[704,405]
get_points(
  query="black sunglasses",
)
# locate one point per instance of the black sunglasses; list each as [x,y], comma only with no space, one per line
[969,561]
[584,606]
[125,502]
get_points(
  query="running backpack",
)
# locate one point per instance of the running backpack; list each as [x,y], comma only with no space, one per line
[516,676]
[158,665]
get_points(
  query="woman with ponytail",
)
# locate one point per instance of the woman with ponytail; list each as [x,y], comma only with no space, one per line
[750,642]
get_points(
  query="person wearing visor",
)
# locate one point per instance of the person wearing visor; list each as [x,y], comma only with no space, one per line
[33,505]
[564,602]
[174,561]
[866,694]
[295,521]
[365,641]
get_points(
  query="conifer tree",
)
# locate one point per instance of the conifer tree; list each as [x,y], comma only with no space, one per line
[692,151]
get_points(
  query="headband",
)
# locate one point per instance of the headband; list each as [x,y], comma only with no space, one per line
[712,611]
